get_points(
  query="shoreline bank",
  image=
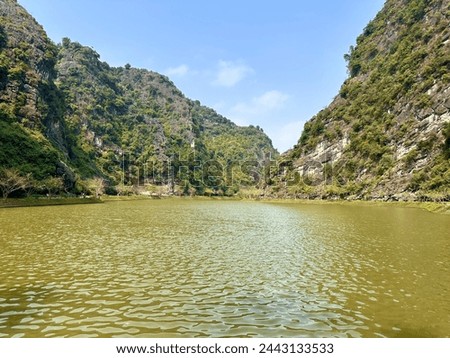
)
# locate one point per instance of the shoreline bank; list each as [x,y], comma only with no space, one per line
[433,207]
[31,202]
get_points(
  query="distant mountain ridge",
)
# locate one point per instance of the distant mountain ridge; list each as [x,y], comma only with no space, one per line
[386,135]
[65,113]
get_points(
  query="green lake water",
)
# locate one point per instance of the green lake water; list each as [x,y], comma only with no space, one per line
[216,268]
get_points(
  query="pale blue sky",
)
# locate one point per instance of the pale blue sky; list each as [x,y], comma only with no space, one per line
[269,63]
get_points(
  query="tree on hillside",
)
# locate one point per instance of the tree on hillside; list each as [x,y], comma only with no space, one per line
[11,180]
[53,185]
[96,186]
[123,189]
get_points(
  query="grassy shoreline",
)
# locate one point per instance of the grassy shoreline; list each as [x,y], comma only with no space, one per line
[43,201]
[433,207]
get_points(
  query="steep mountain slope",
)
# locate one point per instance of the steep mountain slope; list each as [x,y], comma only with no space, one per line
[65,113]
[387,134]
[137,120]
[31,111]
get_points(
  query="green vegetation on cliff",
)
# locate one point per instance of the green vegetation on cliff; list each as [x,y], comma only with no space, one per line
[28,98]
[67,116]
[71,123]
[387,131]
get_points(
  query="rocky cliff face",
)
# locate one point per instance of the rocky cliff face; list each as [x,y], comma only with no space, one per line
[65,113]
[28,59]
[139,116]
[32,128]
[386,134]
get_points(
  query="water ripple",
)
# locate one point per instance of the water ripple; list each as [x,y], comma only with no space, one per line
[176,268]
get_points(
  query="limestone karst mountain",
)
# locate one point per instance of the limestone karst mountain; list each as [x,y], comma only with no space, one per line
[387,133]
[65,113]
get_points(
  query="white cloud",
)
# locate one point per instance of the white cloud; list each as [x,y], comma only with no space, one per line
[269,110]
[287,135]
[180,71]
[261,105]
[231,73]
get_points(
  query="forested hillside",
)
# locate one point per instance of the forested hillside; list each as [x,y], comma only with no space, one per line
[67,117]
[386,135]
[69,122]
